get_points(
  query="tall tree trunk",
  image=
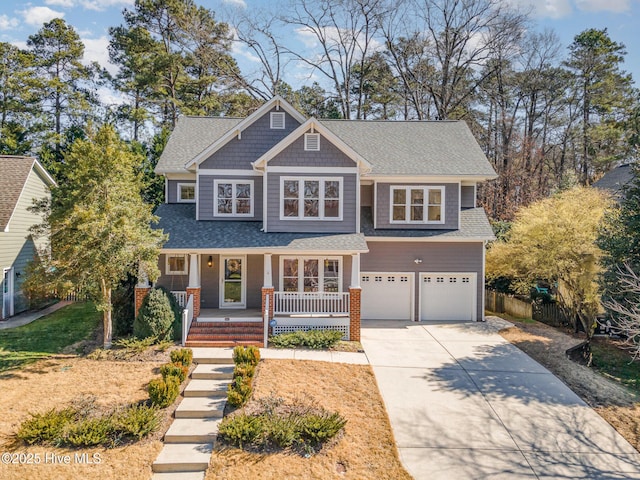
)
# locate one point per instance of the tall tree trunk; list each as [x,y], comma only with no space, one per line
[106,314]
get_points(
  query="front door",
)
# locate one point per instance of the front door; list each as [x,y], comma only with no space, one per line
[7,293]
[233,282]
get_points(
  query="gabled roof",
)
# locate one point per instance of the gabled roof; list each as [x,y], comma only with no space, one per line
[277,102]
[428,148]
[317,127]
[615,180]
[15,172]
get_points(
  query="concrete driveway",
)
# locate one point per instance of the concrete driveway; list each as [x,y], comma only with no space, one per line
[466,404]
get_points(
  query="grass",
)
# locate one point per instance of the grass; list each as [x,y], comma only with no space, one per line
[48,335]
[616,363]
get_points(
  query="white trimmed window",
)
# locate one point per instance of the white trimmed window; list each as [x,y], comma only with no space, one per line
[311,198]
[233,198]
[312,142]
[277,121]
[417,205]
[305,274]
[175,265]
[186,193]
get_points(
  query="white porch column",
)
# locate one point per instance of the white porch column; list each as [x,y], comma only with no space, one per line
[194,270]
[355,270]
[143,279]
[268,277]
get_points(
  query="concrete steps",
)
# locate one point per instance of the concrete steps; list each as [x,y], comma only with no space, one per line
[189,440]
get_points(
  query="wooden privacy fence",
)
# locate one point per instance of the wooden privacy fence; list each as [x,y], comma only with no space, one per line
[548,313]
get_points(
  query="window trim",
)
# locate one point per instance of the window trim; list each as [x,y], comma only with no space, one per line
[168,271]
[179,198]
[233,182]
[271,122]
[321,199]
[307,147]
[426,189]
[302,258]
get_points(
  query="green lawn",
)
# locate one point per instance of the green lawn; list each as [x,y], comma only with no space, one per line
[48,335]
[616,363]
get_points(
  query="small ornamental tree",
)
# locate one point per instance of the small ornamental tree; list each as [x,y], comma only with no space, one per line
[155,317]
[555,240]
[100,227]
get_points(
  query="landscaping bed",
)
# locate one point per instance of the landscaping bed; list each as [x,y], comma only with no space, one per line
[366,450]
[604,387]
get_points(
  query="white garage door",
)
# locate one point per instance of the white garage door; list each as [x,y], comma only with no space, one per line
[447,296]
[386,296]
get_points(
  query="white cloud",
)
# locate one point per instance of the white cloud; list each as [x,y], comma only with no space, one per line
[36,16]
[95,50]
[544,8]
[235,3]
[60,3]
[101,5]
[7,23]
[615,6]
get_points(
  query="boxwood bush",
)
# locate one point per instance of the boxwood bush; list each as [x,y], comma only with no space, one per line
[315,339]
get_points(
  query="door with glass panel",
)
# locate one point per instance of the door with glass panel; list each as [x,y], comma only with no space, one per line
[232,282]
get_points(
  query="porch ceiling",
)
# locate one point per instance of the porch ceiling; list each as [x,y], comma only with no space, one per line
[178,220]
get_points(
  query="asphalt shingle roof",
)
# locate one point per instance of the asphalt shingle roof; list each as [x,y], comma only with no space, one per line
[14,172]
[473,224]
[615,180]
[179,221]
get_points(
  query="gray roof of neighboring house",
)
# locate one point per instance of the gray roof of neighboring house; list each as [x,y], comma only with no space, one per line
[189,138]
[441,148]
[14,173]
[185,232]
[473,225]
[433,148]
[615,180]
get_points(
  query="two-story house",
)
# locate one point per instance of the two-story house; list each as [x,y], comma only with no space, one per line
[22,180]
[325,223]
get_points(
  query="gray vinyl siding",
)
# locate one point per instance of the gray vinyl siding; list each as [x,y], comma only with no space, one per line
[172,194]
[206,197]
[210,280]
[436,257]
[451,207]
[366,195]
[255,141]
[295,155]
[17,247]
[346,269]
[346,225]
[468,197]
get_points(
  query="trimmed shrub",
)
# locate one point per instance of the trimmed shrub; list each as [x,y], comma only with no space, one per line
[315,339]
[239,391]
[90,432]
[174,370]
[46,428]
[183,356]
[163,392]
[245,370]
[241,430]
[250,355]
[138,421]
[177,312]
[320,427]
[156,317]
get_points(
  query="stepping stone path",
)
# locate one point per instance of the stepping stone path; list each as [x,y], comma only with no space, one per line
[189,441]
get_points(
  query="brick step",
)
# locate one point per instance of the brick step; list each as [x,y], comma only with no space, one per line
[232,337]
[227,324]
[222,343]
[231,330]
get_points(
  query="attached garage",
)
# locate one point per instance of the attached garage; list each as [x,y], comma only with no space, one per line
[387,296]
[448,296]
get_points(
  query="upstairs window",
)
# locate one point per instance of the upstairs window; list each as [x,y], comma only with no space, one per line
[176,265]
[417,205]
[186,192]
[312,142]
[234,198]
[311,198]
[277,120]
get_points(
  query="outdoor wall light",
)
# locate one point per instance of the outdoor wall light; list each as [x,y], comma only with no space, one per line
[210,261]
[418,261]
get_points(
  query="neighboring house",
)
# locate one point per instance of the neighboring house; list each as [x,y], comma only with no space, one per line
[22,179]
[615,180]
[333,221]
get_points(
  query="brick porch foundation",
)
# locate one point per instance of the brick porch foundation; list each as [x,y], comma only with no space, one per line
[196,300]
[354,314]
[140,294]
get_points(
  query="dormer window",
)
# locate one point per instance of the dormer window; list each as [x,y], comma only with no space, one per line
[417,205]
[312,142]
[277,120]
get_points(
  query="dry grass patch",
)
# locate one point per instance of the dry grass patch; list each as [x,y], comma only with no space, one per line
[366,451]
[57,383]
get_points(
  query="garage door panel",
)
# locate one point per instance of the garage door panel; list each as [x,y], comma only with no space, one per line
[386,296]
[447,296]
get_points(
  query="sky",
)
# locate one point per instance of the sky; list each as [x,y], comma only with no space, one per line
[92,19]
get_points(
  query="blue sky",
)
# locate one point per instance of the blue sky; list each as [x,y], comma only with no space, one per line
[92,18]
